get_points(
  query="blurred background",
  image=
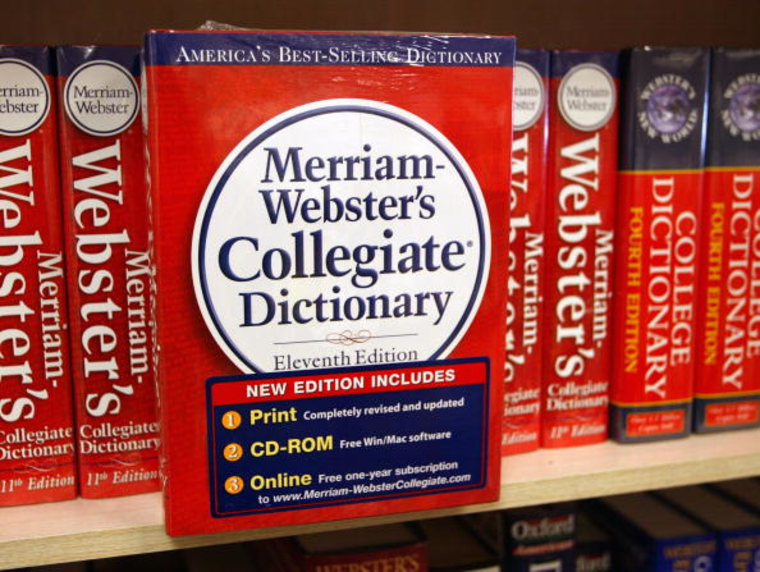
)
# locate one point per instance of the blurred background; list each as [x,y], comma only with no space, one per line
[536,23]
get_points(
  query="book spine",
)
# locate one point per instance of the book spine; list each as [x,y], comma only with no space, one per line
[522,398]
[104,201]
[593,557]
[739,550]
[540,539]
[697,554]
[37,453]
[632,549]
[745,492]
[661,174]
[727,380]
[409,558]
[583,136]
[593,546]
[150,141]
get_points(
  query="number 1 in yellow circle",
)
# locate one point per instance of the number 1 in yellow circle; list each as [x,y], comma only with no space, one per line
[231,420]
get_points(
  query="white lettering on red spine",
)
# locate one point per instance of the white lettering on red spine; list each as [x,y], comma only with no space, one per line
[670,291]
[108,438]
[50,274]
[753,328]
[101,189]
[16,192]
[526,279]
[576,220]
[22,443]
[137,280]
[741,258]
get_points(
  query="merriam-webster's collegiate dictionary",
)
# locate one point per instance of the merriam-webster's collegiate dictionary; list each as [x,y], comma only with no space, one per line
[727,380]
[106,232]
[661,184]
[527,196]
[331,216]
[37,457]
[583,141]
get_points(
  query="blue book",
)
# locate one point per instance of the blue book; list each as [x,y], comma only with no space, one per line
[651,536]
[540,538]
[593,546]
[737,529]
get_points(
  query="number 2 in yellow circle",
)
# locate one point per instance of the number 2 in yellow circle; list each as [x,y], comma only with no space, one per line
[233,452]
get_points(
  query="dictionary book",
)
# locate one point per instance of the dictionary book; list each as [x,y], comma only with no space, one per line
[539,538]
[453,547]
[736,528]
[37,456]
[661,176]
[651,536]
[106,234]
[583,148]
[388,547]
[593,546]
[331,217]
[746,492]
[522,375]
[727,380]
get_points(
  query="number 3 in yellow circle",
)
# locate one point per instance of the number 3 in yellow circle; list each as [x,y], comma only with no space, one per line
[233,485]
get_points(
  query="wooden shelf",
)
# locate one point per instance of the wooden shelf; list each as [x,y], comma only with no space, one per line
[83,530]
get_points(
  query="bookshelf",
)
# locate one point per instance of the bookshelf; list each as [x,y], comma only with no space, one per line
[81,529]
[86,529]
[538,23]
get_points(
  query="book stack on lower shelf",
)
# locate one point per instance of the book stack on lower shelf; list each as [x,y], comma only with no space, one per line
[85,529]
[704,527]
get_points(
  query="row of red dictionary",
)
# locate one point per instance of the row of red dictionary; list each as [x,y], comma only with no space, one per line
[75,340]
[634,283]
[565,186]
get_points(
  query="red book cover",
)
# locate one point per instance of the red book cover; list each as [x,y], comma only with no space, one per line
[106,233]
[396,547]
[331,215]
[583,141]
[37,457]
[727,380]
[522,375]
[662,157]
